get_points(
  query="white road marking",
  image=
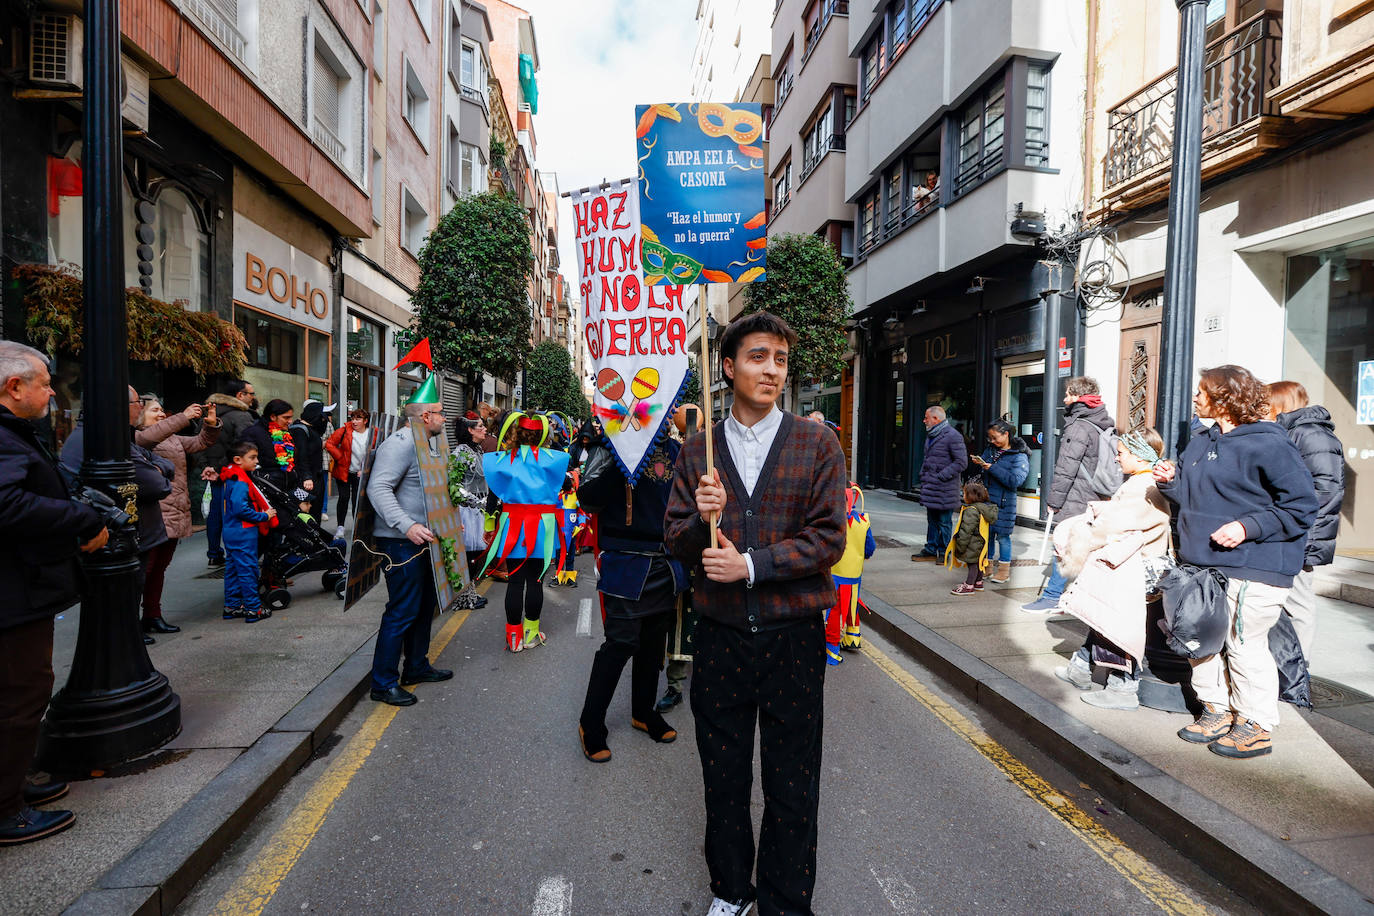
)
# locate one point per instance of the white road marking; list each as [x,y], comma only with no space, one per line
[584,617]
[554,897]
[901,895]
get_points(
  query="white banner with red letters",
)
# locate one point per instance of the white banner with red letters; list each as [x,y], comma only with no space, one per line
[636,335]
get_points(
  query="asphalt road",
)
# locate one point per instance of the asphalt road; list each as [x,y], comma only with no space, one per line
[478,801]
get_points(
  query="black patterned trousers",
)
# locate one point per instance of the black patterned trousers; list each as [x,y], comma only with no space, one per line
[774,678]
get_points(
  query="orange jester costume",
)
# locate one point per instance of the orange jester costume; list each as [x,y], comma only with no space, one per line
[842,620]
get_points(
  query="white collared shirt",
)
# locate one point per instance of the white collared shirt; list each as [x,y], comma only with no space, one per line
[749,447]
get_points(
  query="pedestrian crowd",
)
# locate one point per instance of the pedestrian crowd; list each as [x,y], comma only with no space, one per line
[1255,495]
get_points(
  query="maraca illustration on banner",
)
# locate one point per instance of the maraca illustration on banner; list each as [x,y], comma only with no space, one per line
[642,386]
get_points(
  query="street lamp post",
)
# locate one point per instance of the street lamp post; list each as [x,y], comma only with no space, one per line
[1180,259]
[115,705]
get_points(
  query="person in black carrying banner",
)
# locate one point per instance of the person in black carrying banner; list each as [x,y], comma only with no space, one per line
[639,586]
[759,660]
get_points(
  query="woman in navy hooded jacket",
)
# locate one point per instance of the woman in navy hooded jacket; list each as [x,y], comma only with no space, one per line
[1006,465]
[1245,504]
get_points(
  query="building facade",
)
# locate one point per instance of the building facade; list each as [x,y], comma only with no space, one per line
[963,157]
[1285,263]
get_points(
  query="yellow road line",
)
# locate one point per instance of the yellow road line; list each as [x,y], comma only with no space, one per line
[255,888]
[1150,881]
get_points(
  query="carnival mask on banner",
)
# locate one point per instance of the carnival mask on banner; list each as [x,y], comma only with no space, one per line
[636,334]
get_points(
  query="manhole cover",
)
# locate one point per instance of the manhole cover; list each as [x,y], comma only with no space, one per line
[1328,694]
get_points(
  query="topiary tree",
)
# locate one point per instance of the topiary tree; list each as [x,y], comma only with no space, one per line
[472,301]
[551,384]
[807,288]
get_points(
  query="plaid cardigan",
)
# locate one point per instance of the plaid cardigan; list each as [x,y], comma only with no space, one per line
[793,526]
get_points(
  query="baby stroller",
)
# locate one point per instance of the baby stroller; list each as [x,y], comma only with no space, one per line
[297,545]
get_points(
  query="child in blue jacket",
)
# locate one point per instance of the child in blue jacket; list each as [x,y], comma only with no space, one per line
[246,514]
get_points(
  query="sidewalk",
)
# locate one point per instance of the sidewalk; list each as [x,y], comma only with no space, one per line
[1312,796]
[255,699]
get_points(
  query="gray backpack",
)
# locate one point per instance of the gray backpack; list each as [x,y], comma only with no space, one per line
[1106,476]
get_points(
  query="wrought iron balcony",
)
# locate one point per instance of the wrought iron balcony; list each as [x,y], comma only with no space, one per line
[1240,69]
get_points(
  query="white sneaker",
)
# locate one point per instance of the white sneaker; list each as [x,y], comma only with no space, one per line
[726,908]
[339,531]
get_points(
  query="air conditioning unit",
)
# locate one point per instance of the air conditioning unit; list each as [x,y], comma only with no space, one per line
[55,43]
[55,63]
[135,105]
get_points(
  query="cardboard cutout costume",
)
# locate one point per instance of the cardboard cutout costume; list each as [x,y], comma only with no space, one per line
[842,620]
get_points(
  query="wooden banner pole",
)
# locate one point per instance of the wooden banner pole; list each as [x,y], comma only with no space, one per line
[713,521]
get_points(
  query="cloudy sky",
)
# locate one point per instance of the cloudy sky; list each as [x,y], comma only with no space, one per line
[598,59]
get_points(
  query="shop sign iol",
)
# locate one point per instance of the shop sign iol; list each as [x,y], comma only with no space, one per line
[273,276]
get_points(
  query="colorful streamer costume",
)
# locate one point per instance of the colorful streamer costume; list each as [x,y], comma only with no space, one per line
[842,620]
[571,524]
[527,480]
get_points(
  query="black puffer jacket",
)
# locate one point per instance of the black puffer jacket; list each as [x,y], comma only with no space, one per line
[152,473]
[1072,489]
[1311,430]
[40,528]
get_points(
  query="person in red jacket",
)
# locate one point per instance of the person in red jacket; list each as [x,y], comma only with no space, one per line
[348,447]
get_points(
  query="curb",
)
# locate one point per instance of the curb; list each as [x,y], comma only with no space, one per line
[1247,860]
[155,877]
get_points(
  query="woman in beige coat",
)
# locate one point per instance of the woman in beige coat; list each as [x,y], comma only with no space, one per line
[1126,539]
[159,432]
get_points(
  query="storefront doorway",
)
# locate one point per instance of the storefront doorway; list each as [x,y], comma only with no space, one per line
[894,438]
[1329,349]
[1023,406]
[954,389]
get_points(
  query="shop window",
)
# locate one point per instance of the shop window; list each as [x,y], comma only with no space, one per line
[276,356]
[1329,350]
[366,342]
[181,254]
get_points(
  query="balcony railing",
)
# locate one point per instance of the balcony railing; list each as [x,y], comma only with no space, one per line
[329,141]
[813,157]
[828,10]
[213,18]
[784,89]
[1240,69]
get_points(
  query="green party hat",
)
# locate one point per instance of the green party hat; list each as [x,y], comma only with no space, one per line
[428,393]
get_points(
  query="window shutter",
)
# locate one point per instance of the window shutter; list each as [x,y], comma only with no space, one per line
[326,94]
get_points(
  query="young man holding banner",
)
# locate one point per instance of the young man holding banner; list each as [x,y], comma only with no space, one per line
[760,642]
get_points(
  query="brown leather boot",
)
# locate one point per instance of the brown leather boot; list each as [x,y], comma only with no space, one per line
[1003,574]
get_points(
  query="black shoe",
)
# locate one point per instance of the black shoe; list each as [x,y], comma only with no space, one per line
[255,616]
[35,795]
[433,675]
[655,727]
[148,640]
[29,825]
[479,603]
[923,555]
[395,696]
[671,697]
[158,625]
[215,563]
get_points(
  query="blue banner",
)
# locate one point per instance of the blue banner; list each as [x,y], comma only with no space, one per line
[701,186]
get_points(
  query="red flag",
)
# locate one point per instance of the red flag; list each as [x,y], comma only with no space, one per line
[418,354]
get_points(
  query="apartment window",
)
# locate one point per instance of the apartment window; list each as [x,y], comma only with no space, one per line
[892,206]
[851,105]
[473,166]
[366,343]
[181,253]
[782,186]
[868,75]
[378,40]
[901,21]
[455,42]
[454,152]
[868,222]
[982,122]
[327,87]
[416,104]
[783,81]
[425,10]
[818,140]
[414,222]
[473,73]
[378,187]
[1037,114]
